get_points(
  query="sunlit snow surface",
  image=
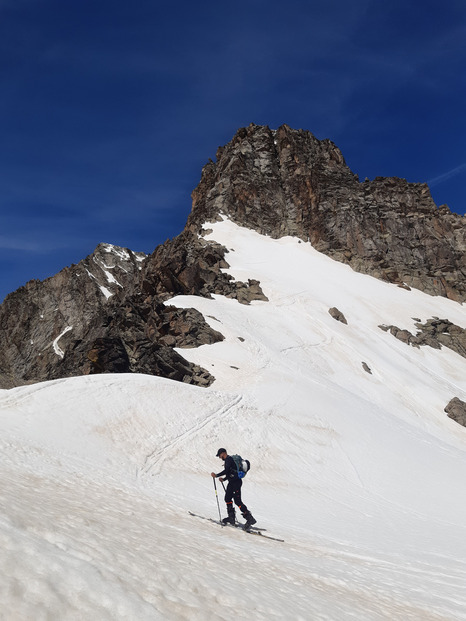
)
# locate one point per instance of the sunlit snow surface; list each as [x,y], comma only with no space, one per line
[362,474]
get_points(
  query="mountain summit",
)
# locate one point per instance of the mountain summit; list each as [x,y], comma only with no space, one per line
[335,385]
[112,317]
[287,182]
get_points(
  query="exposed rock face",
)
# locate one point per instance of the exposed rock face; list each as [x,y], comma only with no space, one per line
[287,182]
[434,333]
[40,320]
[456,410]
[188,265]
[109,312]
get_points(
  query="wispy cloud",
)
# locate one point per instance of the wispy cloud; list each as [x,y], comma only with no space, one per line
[447,175]
[21,244]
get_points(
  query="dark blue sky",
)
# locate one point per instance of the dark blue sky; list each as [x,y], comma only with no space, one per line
[110,108]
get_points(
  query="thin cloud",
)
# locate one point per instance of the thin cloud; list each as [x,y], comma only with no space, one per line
[447,175]
[20,244]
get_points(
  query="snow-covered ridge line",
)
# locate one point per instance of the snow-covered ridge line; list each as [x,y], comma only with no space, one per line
[117,250]
[123,253]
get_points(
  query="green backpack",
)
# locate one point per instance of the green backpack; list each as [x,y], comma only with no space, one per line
[242,465]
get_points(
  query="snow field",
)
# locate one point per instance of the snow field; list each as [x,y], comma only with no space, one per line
[361,474]
[78,543]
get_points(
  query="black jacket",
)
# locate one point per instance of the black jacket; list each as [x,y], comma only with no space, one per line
[230,472]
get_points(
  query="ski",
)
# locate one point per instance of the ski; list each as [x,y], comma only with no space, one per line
[254,530]
[243,526]
[261,534]
[237,525]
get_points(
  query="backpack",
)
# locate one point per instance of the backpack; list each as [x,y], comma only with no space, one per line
[242,465]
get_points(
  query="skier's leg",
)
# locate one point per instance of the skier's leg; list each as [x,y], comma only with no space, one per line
[229,502]
[237,496]
[242,507]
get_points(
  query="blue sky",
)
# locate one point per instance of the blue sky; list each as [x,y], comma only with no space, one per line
[109,109]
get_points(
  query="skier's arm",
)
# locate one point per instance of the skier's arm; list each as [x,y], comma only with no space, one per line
[220,474]
[228,471]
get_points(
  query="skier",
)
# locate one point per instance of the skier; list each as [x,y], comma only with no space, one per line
[233,491]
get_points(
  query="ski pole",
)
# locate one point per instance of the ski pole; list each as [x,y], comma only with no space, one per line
[218,504]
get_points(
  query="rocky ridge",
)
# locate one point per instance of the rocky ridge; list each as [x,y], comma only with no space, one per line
[287,182]
[109,313]
[40,320]
[434,333]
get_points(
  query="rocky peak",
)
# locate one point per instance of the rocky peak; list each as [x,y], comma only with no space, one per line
[111,268]
[39,321]
[287,182]
[109,312]
[253,179]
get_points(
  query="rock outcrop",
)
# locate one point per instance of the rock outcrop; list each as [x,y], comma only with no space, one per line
[366,368]
[456,410]
[110,313]
[433,333]
[287,182]
[337,315]
[39,321]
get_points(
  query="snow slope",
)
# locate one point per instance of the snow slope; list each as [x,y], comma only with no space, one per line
[361,474]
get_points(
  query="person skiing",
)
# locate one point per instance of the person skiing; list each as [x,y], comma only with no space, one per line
[233,491]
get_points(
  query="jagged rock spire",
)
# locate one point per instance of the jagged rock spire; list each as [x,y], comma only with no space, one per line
[287,182]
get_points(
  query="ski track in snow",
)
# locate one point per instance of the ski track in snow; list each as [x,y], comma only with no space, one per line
[153,462]
[361,475]
[133,559]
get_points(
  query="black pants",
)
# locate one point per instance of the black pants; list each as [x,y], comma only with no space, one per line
[233,492]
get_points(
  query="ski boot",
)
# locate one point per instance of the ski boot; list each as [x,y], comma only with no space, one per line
[250,521]
[231,519]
